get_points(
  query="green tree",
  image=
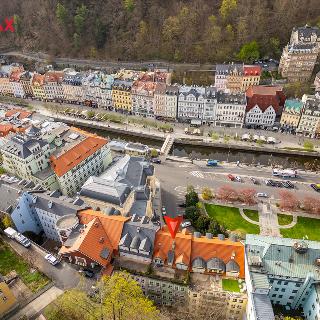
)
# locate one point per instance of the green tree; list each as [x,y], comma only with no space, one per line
[6,221]
[129,5]
[215,228]
[308,145]
[17,24]
[206,193]
[80,19]
[90,114]
[275,46]
[227,6]
[61,14]
[192,199]
[76,41]
[153,153]
[202,223]
[192,213]
[100,33]
[117,298]
[249,52]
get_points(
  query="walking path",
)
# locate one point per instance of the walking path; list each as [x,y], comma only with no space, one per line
[245,217]
[268,220]
[37,305]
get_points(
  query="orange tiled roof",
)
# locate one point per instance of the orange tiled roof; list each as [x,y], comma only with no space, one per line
[23,114]
[38,79]
[91,242]
[163,244]
[187,248]
[84,149]
[223,249]
[112,225]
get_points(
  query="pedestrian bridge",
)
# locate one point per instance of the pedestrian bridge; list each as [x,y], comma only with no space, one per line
[167,145]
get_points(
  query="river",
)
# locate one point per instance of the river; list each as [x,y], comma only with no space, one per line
[222,154]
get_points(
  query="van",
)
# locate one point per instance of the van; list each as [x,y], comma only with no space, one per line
[10,232]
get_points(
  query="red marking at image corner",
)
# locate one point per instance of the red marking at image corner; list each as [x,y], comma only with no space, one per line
[173,224]
[9,25]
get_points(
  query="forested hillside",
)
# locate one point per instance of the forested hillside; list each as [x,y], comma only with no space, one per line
[186,30]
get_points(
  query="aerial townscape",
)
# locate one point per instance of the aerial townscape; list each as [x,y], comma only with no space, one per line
[162,189]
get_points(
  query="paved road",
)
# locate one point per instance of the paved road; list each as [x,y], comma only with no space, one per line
[175,177]
[64,276]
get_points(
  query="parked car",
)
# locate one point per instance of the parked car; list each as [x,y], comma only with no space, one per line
[212,163]
[164,211]
[288,184]
[316,187]
[10,232]
[238,179]
[231,177]
[22,240]
[185,224]
[262,195]
[254,180]
[51,259]
[87,273]
[155,160]
[182,205]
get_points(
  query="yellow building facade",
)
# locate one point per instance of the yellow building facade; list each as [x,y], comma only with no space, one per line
[121,95]
[7,299]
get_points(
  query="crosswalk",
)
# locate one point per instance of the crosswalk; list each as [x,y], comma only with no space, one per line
[197,174]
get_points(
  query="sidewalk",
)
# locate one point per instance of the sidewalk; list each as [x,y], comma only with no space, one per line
[37,305]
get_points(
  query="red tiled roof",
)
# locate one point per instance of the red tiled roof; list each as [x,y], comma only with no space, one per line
[22,113]
[54,76]
[70,159]
[265,96]
[112,225]
[252,70]
[91,242]
[5,129]
[15,75]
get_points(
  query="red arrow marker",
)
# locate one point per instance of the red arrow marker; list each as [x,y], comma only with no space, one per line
[173,224]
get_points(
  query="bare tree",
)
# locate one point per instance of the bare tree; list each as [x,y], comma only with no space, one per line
[248,196]
[288,201]
[311,205]
[227,193]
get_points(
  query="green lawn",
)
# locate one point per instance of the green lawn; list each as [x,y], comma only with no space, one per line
[9,261]
[230,285]
[304,226]
[252,214]
[284,219]
[230,217]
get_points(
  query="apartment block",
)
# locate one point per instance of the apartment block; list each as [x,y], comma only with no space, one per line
[142,93]
[53,86]
[284,273]
[309,124]
[299,56]
[37,85]
[291,114]
[121,95]
[264,105]
[72,86]
[165,101]
[230,110]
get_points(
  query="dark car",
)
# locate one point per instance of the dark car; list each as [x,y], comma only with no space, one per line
[87,273]
[155,160]
[254,180]
[316,187]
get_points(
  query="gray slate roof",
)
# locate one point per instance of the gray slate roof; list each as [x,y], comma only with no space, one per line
[198,263]
[263,307]
[139,233]
[216,263]
[116,183]
[58,205]
[23,146]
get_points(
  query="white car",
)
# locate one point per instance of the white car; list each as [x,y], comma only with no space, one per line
[185,224]
[22,240]
[238,179]
[51,259]
[262,195]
